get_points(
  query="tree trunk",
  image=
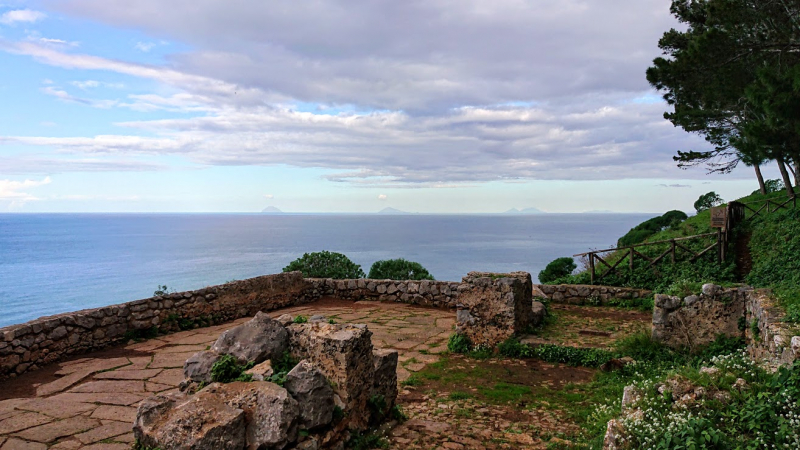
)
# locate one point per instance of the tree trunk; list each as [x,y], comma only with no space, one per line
[760,177]
[785,175]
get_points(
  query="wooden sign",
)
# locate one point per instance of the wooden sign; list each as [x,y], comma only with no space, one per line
[718,217]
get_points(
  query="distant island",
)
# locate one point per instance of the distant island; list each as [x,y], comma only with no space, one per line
[392,211]
[525,211]
[271,210]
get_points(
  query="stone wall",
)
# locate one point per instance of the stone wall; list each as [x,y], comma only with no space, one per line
[581,294]
[45,340]
[697,320]
[440,294]
[768,336]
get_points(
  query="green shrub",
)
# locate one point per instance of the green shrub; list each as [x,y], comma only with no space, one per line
[227,369]
[325,264]
[459,343]
[398,269]
[300,319]
[558,268]
[162,290]
[281,367]
[707,201]
[644,230]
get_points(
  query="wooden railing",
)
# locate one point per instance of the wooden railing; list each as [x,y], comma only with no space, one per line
[629,253]
[761,206]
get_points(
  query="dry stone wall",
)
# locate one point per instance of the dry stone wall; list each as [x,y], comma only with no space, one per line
[28,346]
[440,294]
[697,320]
[581,294]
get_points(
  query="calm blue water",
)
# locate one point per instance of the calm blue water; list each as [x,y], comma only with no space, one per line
[53,263]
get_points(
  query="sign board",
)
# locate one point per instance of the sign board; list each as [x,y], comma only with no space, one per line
[718,216]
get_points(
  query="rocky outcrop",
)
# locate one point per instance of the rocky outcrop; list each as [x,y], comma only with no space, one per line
[339,369]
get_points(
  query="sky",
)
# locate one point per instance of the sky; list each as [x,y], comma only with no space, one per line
[431,106]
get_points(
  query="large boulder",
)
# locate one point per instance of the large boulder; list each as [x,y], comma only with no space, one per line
[385,381]
[271,413]
[203,422]
[314,394]
[198,366]
[256,341]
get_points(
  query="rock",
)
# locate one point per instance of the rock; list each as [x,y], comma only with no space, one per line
[630,395]
[271,413]
[667,302]
[317,318]
[261,371]
[796,346]
[385,381]
[343,353]
[464,317]
[539,312]
[710,289]
[202,422]
[691,300]
[198,366]
[285,319]
[313,393]
[710,371]
[660,316]
[259,339]
[613,439]
[616,364]
[740,384]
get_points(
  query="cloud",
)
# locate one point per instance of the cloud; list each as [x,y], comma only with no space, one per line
[65,96]
[145,46]
[679,186]
[382,197]
[269,196]
[21,16]
[15,192]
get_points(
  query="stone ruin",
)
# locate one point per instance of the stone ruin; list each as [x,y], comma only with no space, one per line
[493,307]
[341,385]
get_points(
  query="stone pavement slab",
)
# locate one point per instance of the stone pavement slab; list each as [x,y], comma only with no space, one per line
[92,405]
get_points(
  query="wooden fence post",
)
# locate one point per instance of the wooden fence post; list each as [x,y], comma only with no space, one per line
[591,268]
[630,262]
[672,250]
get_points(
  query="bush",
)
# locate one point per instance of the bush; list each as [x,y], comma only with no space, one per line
[707,201]
[325,264]
[458,343]
[398,269]
[227,370]
[557,268]
[649,227]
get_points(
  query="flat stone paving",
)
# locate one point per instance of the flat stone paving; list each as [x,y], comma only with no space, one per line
[92,403]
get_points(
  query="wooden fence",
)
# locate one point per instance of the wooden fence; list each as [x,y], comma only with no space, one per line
[675,245]
[760,207]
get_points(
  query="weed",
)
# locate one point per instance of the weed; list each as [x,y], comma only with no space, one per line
[457,395]
[227,369]
[459,343]
[365,441]
[301,319]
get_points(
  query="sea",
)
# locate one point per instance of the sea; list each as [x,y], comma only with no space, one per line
[55,263]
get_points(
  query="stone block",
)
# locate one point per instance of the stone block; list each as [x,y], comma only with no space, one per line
[343,353]
[198,366]
[385,382]
[667,302]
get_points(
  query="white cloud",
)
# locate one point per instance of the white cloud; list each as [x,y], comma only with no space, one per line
[21,16]
[15,192]
[145,46]
[382,197]
[269,196]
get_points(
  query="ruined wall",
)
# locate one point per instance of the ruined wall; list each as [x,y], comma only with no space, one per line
[745,312]
[441,294]
[45,340]
[768,336]
[581,294]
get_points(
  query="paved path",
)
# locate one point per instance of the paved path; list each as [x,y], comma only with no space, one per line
[92,402]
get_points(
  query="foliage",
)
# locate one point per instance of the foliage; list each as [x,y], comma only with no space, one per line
[365,441]
[300,319]
[227,369]
[398,414]
[707,201]
[683,288]
[162,290]
[325,264]
[281,367]
[770,186]
[398,269]
[650,227]
[574,356]
[774,246]
[556,269]
[459,343]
